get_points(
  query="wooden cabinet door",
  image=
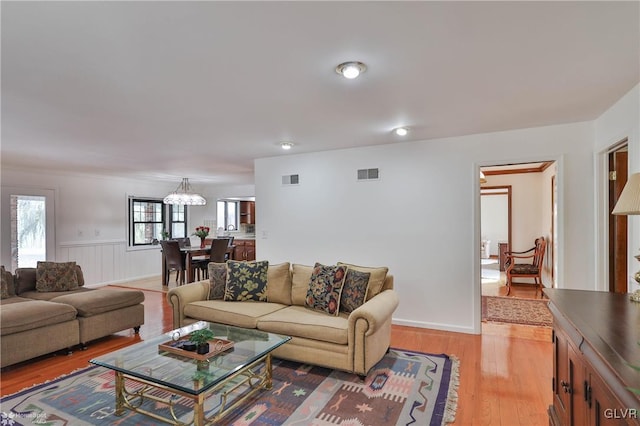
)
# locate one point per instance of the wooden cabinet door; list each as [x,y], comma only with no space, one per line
[250,250]
[238,252]
[604,408]
[578,388]
[561,400]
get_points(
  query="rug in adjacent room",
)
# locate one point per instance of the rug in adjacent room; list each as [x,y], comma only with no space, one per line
[404,388]
[516,311]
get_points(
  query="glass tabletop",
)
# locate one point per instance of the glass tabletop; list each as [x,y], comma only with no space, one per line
[148,361]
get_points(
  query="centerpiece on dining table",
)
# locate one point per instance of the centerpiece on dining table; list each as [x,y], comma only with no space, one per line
[202,232]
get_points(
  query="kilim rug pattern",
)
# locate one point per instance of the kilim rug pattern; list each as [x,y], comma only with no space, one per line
[404,388]
[516,311]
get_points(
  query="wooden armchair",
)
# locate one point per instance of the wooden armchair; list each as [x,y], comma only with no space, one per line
[531,269]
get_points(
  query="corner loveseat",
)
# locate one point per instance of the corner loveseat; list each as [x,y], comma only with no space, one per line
[338,316]
[47,309]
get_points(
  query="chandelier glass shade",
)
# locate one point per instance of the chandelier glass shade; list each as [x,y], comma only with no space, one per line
[184,196]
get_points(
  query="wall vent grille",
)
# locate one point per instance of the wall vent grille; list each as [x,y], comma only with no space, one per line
[291,180]
[368,174]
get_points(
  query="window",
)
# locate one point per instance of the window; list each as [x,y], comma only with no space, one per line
[178,220]
[148,218]
[227,212]
[28,230]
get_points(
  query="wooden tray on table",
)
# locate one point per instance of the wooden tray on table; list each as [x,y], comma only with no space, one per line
[216,346]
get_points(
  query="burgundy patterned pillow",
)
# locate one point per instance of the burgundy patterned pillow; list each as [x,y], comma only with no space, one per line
[325,288]
[56,276]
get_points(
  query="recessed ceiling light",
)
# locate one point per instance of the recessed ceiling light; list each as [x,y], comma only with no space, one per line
[286,145]
[351,70]
[401,131]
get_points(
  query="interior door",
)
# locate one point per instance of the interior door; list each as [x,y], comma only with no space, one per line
[618,173]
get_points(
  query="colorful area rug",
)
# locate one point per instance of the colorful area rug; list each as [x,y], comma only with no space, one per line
[516,311]
[404,388]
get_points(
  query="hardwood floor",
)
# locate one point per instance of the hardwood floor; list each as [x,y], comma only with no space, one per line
[505,373]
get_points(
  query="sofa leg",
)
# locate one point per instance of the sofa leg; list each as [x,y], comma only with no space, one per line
[69,351]
[83,346]
[136,329]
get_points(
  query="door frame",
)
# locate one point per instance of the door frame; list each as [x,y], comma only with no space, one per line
[559,272]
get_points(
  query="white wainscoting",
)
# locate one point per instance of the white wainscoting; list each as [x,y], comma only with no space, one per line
[101,261]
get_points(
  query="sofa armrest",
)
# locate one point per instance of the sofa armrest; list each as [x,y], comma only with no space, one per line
[370,330]
[376,311]
[179,297]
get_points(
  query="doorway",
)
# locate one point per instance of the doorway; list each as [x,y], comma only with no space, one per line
[618,174]
[533,213]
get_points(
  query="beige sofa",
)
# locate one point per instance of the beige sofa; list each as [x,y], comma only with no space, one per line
[34,323]
[352,342]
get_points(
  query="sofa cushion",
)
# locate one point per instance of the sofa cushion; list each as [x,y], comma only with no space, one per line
[48,295]
[56,276]
[25,279]
[239,314]
[376,280]
[354,292]
[300,283]
[6,284]
[246,281]
[279,283]
[325,288]
[17,317]
[302,322]
[94,302]
[217,280]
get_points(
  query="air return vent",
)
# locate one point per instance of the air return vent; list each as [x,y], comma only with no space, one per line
[368,174]
[291,180]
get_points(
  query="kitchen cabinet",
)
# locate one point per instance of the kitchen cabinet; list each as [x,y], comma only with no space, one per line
[595,337]
[248,212]
[244,250]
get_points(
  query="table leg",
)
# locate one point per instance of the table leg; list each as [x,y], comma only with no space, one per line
[119,393]
[189,267]
[198,411]
[268,384]
[165,275]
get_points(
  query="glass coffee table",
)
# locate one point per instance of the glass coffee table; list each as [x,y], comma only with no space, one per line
[235,374]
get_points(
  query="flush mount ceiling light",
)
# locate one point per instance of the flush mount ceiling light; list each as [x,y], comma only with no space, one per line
[401,131]
[286,145]
[351,70]
[183,196]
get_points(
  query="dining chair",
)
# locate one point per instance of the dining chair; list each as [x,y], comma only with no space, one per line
[527,269]
[217,253]
[174,260]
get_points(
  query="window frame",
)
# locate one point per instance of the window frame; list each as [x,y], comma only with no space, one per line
[166,220]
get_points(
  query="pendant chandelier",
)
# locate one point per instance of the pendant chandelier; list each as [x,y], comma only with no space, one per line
[183,196]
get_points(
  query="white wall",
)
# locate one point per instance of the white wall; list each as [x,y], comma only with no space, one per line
[87,205]
[421,218]
[621,121]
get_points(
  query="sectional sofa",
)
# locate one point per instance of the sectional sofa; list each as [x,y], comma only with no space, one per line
[352,339]
[36,322]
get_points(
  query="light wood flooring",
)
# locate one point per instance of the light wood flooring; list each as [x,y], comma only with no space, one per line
[505,373]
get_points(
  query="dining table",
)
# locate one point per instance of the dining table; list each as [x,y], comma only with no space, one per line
[189,253]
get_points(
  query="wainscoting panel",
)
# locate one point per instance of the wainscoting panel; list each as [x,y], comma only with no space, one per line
[101,261]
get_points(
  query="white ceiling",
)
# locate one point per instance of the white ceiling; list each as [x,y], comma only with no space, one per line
[200,89]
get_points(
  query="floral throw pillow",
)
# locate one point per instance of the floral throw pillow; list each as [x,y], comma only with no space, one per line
[56,276]
[217,280]
[355,289]
[325,287]
[246,281]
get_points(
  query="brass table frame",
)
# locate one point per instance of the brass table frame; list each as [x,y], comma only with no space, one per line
[132,400]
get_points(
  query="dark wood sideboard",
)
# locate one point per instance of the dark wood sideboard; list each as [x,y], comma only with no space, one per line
[595,339]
